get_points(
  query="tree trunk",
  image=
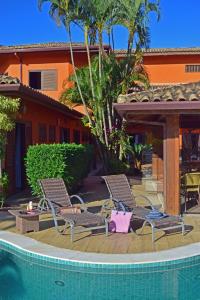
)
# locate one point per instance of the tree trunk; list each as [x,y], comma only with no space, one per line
[76,77]
[104,128]
[82,99]
[89,63]
[109,116]
[113,40]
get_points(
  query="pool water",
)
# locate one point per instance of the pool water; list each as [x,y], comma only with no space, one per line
[29,277]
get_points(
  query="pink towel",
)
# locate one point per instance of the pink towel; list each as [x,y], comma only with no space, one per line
[120,221]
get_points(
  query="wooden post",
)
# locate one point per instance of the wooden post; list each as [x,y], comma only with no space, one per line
[171,165]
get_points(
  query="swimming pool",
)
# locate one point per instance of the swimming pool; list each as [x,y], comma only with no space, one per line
[26,275]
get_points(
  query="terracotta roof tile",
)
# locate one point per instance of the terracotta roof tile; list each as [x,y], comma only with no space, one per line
[4,79]
[12,84]
[180,92]
[45,47]
[40,45]
[164,51]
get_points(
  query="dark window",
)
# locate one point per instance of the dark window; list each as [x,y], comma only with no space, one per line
[77,138]
[52,134]
[192,68]
[35,80]
[42,133]
[85,138]
[43,80]
[64,135]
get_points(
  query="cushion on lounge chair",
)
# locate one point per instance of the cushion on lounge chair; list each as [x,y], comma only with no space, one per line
[155,214]
[69,210]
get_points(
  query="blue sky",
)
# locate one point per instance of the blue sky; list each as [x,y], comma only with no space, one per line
[21,22]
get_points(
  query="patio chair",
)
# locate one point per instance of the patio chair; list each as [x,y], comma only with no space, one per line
[123,199]
[191,187]
[55,193]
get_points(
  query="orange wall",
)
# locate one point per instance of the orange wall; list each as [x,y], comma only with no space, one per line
[32,115]
[60,61]
[37,114]
[171,68]
[161,69]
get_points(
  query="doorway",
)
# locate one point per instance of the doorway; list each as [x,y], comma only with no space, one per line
[19,156]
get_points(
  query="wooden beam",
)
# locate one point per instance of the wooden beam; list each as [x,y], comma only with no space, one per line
[153,123]
[158,106]
[171,165]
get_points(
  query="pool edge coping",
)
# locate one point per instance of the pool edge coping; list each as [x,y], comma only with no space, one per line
[44,250]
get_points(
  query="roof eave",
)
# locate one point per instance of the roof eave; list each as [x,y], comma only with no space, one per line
[50,49]
[153,108]
[21,91]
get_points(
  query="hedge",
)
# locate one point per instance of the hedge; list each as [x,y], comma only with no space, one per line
[68,161]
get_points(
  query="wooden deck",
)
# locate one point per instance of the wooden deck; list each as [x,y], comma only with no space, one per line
[114,243]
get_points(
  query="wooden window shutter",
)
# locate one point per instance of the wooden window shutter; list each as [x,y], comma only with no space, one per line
[192,68]
[64,135]
[52,134]
[49,80]
[42,134]
[77,136]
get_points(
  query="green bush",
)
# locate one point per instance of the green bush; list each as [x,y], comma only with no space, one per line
[68,161]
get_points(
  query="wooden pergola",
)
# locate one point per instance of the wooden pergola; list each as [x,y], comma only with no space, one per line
[166,110]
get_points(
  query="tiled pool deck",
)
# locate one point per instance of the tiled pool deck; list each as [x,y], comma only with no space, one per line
[35,248]
[115,243]
[98,243]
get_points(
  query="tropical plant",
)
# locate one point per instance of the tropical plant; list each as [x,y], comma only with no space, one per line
[4,183]
[8,110]
[134,15]
[114,81]
[138,150]
[98,85]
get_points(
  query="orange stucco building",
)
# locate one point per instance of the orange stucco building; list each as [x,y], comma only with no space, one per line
[37,75]
[48,63]
[171,65]
[43,70]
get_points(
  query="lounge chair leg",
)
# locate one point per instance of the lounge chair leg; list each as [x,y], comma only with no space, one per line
[183,228]
[153,235]
[65,228]
[145,222]
[106,223]
[72,232]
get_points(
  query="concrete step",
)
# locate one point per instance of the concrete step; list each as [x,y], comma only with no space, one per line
[152,185]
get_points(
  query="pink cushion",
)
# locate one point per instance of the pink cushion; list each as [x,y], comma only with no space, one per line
[120,221]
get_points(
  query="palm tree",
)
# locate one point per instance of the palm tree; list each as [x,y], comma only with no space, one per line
[107,78]
[113,82]
[134,15]
[67,12]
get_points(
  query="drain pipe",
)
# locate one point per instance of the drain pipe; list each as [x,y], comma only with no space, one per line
[20,61]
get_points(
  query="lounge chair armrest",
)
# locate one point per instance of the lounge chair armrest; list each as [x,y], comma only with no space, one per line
[81,201]
[146,199]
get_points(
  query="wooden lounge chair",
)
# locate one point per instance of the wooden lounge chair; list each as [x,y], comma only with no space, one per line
[121,195]
[57,197]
